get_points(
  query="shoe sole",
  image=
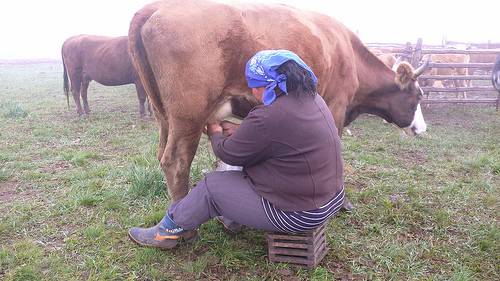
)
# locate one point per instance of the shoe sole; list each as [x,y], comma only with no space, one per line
[227,229]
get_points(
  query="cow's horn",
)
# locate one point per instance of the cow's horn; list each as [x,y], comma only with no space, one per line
[395,66]
[421,69]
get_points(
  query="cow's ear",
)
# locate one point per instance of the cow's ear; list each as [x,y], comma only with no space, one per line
[404,75]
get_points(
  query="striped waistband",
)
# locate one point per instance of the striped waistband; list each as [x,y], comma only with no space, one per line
[297,222]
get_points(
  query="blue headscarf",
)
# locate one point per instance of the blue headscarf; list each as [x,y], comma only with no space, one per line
[261,71]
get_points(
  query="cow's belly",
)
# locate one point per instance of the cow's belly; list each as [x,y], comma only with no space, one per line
[113,82]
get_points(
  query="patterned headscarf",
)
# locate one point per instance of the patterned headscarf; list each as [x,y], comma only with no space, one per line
[261,71]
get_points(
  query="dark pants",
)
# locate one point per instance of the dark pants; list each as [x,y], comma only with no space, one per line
[221,193]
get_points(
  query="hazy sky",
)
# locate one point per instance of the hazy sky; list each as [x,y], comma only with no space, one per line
[37,28]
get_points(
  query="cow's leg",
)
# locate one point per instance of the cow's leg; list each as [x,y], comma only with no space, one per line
[85,85]
[460,83]
[176,176]
[179,152]
[163,135]
[180,148]
[457,84]
[76,85]
[142,96]
[468,83]
[464,84]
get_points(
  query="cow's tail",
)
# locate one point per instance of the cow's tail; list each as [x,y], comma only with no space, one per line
[66,81]
[140,56]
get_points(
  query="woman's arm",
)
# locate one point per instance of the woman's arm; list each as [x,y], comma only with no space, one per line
[246,143]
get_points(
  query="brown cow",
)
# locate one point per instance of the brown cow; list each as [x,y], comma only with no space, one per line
[481,58]
[388,59]
[446,58]
[103,59]
[191,56]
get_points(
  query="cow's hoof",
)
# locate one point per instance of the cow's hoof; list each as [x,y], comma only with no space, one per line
[190,236]
[348,207]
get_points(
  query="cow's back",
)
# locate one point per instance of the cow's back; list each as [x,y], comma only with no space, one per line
[446,58]
[184,46]
[481,58]
[104,59]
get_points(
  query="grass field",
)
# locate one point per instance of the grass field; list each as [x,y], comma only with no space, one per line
[427,207]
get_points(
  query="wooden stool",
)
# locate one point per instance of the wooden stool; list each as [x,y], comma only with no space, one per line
[304,250]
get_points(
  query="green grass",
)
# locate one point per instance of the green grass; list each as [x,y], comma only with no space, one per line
[12,110]
[427,207]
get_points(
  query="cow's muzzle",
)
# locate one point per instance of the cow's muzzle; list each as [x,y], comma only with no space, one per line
[418,125]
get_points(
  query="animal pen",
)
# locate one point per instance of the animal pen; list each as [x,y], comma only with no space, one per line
[414,54]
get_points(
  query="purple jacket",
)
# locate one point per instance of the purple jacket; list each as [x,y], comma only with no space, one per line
[290,151]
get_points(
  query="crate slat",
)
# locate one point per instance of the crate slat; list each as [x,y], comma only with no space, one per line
[304,250]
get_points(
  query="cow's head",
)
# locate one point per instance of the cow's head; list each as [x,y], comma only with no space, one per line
[391,94]
[405,109]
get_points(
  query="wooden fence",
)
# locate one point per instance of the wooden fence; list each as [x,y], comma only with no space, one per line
[414,54]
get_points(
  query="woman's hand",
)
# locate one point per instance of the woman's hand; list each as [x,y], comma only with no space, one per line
[228,128]
[212,128]
[225,127]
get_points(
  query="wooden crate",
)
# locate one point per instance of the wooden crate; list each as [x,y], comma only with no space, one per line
[304,250]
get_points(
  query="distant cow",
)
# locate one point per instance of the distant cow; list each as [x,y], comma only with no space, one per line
[446,58]
[388,59]
[191,56]
[481,58]
[495,76]
[103,59]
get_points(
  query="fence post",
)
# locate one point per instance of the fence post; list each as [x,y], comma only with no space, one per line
[406,56]
[415,57]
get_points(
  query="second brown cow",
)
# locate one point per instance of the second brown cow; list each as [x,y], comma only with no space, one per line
[103,59]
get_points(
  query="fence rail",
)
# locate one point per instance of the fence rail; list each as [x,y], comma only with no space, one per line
[455,51]
[459,89]
[460,65]
[456,77]
[414,54]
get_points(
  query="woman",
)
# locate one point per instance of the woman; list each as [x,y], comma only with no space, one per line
[290,153]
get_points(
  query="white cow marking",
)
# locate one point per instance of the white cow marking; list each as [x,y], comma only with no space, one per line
[418,125]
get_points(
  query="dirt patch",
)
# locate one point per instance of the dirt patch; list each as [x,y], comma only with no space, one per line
[8,191]
[17,191]
[414,158]
[340,268]
[68,115]
[53,168]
